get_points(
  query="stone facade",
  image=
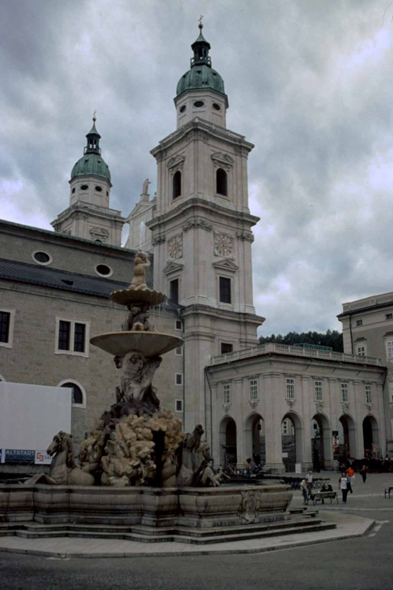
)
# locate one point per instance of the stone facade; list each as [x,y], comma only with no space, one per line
[368,330]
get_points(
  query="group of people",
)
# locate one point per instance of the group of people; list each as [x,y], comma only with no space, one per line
[253,464]
[345,484]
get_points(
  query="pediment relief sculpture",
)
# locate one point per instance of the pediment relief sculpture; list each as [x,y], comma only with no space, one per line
[222,160]
[172,267]
[226,264]
[176,163]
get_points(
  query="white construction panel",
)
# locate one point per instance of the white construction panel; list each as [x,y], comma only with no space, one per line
[30,415]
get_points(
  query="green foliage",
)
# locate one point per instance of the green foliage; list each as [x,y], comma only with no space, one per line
[332,338]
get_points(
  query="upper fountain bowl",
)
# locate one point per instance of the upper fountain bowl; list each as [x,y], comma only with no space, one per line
[140,294]
[149,344]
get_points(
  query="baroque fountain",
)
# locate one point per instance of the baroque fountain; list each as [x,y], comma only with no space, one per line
[138,471]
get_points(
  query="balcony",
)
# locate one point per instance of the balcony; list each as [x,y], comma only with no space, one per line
[284,349]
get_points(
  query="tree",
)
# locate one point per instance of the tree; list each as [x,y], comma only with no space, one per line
[332,338]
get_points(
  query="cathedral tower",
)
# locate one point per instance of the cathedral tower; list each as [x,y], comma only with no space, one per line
[89,215]
[201,231]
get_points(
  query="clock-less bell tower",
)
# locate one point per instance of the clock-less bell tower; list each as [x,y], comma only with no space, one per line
[201,231]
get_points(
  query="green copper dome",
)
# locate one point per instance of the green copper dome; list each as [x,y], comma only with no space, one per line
[92,163]
[201,75]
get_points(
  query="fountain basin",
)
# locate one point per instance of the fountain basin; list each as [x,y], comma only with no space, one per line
[149,344]
[154,507]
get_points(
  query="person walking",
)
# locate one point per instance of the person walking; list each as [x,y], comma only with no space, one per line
[304,490]
[309,483]
[343,485]
[363,473]
[351,477]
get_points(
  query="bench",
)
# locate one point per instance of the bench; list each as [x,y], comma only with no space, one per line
[321,496]
[387,491]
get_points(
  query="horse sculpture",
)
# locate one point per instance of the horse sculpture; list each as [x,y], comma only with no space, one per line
[63,470]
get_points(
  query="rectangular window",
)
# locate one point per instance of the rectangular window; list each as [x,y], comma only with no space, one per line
[389,346]
[389,316]
[179,351]
[179,379]
[225,290]
[226,347]
[227,393]
[174,291]
[360,350]
[359,322]
[79,337]
[179,405]
[5,323]
[253,389]
[64,335]
[318,393]
[344,392]
[178,325]
[290,389]
[72,337]
[367,391]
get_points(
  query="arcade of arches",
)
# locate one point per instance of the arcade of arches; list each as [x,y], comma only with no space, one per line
[326,445]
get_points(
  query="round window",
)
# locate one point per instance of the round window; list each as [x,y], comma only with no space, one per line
[216,106]
[42,257]
[98,189]
[182,109]
[103,270]
[199,104]
[84,187]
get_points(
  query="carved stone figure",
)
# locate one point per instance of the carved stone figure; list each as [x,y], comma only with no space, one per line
[63,470]
[141,262]
[145,188]
[137,318]
[193,458]
[136,378]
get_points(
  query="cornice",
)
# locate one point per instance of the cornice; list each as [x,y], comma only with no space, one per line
[211,129]
[196,203]
[198,308]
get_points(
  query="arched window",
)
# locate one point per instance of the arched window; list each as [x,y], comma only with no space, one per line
[222,182]
[78,393]
[177,184]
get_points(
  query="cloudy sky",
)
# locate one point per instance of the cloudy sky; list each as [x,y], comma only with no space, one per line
[310,83]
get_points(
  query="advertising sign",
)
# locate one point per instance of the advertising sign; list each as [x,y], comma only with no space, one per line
[42,458]
[19,456]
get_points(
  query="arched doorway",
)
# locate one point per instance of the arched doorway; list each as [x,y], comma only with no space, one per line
[346,436]
[370,437]
[228,445]
[321,442]
[255,438]
[291,440]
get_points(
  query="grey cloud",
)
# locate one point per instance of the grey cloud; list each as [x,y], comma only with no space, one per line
[305,84]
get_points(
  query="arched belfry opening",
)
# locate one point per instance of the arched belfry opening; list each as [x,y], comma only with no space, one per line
[222,182]
[177,184]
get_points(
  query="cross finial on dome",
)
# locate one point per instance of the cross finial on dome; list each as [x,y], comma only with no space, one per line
[95,116]
[200,23]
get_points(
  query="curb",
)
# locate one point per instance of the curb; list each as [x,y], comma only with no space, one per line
[187,553]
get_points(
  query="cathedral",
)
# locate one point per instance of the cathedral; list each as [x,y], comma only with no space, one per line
[197,230]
